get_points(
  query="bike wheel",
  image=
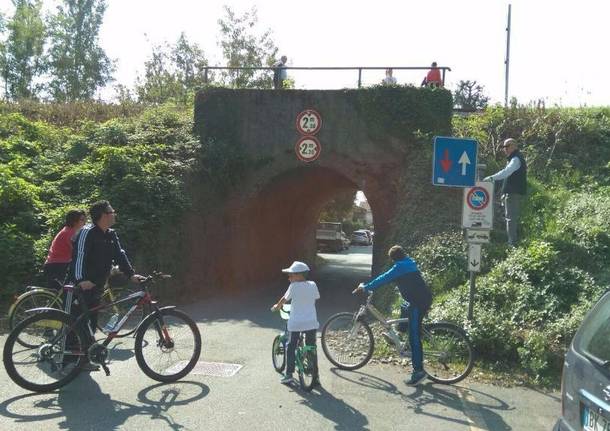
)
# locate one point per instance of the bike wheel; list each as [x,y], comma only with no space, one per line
[278,354]
[167,345]
[448,353]
[49,364]
[37,298]
[347,343]
[104,315]
[307,358]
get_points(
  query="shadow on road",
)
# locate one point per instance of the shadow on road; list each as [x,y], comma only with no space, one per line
[335,280]
[431,394]
[84,406]
[344,416]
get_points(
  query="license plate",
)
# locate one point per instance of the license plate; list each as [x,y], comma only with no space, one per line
[593,421]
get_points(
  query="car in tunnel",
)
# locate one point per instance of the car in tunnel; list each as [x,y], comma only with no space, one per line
[585,382]
[360,237]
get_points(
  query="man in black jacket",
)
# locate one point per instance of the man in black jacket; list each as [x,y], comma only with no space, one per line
[96,248]
[514,187]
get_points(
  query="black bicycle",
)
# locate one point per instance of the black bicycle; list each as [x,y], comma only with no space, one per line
[47,350]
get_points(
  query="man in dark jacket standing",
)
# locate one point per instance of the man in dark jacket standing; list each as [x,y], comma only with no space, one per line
[96,248]
[514,185]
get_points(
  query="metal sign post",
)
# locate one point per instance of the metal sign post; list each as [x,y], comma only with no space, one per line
[477,219]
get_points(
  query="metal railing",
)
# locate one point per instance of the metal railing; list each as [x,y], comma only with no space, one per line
[443,70]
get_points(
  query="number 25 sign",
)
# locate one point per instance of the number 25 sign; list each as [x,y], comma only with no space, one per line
[308,148]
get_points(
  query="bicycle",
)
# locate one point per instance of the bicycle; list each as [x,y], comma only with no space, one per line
[167,342]
[348,343]
[305,355]
[42,297]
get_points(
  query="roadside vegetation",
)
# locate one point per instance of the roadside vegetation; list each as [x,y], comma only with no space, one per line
[530,300]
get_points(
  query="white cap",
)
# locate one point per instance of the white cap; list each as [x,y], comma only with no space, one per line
[296,268]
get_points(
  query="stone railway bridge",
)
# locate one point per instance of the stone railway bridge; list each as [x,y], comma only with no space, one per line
[259,204]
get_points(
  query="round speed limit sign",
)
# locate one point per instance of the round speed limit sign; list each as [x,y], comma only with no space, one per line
[309,122]
[308,148]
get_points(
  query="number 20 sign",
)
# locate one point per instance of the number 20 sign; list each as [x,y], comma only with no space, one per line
[308,148]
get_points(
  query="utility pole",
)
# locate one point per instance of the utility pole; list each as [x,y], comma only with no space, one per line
[507,61]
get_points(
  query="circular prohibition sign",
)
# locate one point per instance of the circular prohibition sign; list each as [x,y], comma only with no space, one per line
[308,148]
[309,122]
[477,198]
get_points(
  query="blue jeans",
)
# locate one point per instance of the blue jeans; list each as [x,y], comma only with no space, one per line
[416,316]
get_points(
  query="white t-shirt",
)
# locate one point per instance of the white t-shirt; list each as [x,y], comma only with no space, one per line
[302,296]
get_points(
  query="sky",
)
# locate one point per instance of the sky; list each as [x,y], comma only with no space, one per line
[558,49]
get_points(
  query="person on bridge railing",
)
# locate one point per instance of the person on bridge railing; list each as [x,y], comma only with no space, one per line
[279,73]
[413,289]
[302,295]
[433,78]
[389,79]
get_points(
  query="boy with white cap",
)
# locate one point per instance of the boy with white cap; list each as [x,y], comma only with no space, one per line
[302,295]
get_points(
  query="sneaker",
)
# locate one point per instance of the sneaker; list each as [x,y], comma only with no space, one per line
[287,379]
[416,378]
[316,383]
[88,367]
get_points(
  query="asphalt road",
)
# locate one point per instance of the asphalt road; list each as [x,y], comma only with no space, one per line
[239,331]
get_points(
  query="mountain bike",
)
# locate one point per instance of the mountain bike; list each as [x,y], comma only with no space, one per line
[167,342]
[41,297]
[348,343]
[305,355]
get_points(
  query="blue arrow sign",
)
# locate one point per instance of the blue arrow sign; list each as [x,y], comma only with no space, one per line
[455,162]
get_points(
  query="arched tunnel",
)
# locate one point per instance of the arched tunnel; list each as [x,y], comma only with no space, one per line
[284,217]
[265,231]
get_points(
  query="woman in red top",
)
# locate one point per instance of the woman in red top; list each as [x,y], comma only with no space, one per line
[60,253]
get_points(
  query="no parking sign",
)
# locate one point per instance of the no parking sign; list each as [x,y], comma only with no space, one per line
[478,206]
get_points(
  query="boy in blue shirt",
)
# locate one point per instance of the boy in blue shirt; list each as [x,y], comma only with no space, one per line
[414,290]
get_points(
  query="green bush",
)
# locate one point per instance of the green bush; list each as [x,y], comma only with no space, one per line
[442,260]
[140,164]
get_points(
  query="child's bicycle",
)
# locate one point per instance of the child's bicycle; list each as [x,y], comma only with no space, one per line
[46,350]
[41,297]
[348,343]
[305,355]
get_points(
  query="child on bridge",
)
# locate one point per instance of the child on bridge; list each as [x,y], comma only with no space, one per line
[303,317]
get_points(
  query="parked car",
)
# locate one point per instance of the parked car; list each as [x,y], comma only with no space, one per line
[585,383]
[359,237]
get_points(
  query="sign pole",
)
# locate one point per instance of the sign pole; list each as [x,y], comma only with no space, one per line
[471,301]
[473,285]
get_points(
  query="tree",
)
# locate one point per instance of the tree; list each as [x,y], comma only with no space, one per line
[172,72]
[340,208]
[242,47]
[78,65]
[469,96]
[23,59]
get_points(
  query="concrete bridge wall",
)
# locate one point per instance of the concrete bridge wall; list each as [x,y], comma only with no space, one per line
[267,217]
